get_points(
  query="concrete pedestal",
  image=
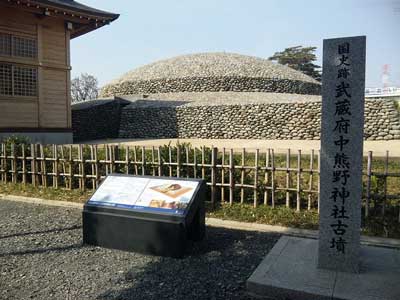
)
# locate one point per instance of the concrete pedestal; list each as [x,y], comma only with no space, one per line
[289,272]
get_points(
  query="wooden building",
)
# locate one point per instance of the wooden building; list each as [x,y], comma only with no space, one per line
[35,65]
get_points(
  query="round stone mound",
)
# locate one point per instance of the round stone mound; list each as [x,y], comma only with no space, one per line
[212,72]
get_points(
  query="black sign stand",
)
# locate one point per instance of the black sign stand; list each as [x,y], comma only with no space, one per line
[158,233]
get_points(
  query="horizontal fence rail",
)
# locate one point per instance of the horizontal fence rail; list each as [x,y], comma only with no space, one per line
[260,177]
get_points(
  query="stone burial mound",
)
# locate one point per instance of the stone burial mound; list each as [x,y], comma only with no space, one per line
[212,72]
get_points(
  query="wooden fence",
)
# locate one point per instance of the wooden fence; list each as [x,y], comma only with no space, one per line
[258,177]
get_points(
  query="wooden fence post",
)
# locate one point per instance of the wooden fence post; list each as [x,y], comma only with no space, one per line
[231,177]
[266,177]
[5,164]
[83,173]
[143,160]
[298,199]
[214,154]
[187,161]
[385,183]
[287,178]
[223,176]
[272,178]
[255,196]
[170,160]
[194,162]
[71,166]
[159,161]
[178,161]
[13,158]
[242,173]
[43,166]
[56,171]
[203,169]
[96,166]
[310,185]
[33,164]
[24,171]
[369,175]
[135,162]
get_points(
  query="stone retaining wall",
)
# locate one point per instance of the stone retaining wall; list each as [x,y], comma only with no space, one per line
[99,119]
[251,121]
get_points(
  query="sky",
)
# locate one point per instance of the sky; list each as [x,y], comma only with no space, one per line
[150,30]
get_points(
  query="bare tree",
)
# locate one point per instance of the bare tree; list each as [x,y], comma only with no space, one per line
[84,87]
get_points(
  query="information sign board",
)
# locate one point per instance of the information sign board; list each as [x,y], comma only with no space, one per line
[145,194]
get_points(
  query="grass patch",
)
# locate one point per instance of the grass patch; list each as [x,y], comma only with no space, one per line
[266,215]
[280,215]
[49,193]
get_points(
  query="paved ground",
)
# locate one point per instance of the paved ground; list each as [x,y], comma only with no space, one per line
[42,257]
[378,147]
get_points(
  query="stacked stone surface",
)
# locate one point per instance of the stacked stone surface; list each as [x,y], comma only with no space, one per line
[261,119]
[212,72]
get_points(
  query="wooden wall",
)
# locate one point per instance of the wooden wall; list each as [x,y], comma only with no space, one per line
[51,107]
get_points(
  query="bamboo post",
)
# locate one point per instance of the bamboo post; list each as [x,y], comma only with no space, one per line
[33,164]
[56,163]
[43,166]
[153,170]
[178,161]
[82,162]
[71,166]
[2,162]
[13,164]
[187,161]
[92,162]
[194,163]
[63,165]
[106,158]
[112,158]
[127,159]
[143,160]
[203,170]
[369,175]
[24,171]
[298,198]
[231,177]
[135,161]
[287,178]
[96,166]
[79,167]
[170,160]
[266,177]
[5,163]
[214,153]
[310,185]
[255,177]
[272,178]
[223,176]
[159,161]
[385,183]
[242,173]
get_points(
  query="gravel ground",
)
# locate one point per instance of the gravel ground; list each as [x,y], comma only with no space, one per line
[42,257]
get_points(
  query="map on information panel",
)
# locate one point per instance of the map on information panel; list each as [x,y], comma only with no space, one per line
[162,195]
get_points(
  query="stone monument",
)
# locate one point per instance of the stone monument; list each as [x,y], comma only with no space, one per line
[336,266]
[342,127]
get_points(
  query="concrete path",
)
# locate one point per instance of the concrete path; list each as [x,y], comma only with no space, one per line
[379,148]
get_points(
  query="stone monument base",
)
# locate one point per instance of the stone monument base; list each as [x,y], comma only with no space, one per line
[289,272]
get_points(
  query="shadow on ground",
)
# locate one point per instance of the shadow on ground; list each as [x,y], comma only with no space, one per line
[217,268]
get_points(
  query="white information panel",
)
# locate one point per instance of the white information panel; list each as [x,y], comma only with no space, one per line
[166,195]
